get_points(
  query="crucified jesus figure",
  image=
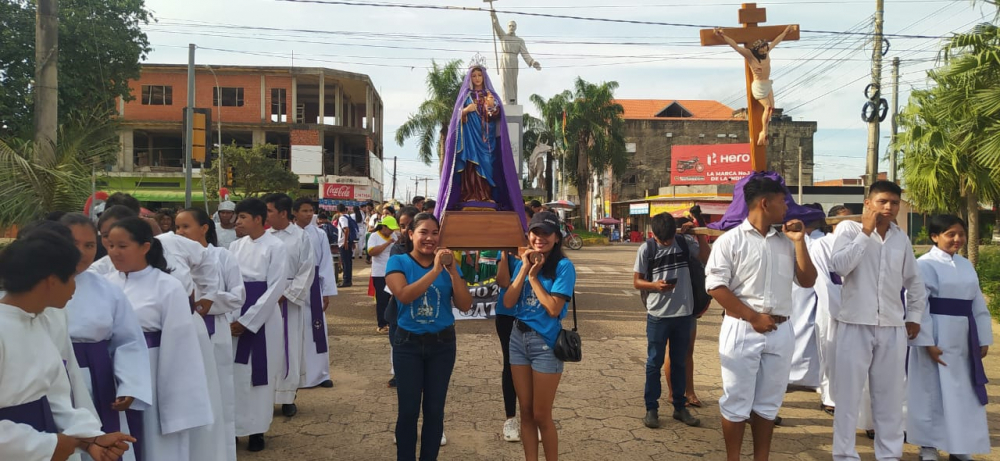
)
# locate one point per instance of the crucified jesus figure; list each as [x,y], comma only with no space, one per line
[758,58]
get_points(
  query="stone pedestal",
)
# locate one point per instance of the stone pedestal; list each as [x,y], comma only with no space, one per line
[515,128]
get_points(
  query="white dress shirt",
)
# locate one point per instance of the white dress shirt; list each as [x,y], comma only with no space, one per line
[758,269]
[875,271]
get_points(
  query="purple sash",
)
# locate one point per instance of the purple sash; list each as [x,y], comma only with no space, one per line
[252,345]
[210,324]
[96,357]
[284,323]
[963,308]
[835,278]
[152,338]
[316,309]
[37,414]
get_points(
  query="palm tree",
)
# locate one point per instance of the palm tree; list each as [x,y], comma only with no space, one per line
[31,187]
[595,133]
[430,123]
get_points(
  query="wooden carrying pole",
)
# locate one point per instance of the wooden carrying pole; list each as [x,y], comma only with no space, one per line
[831,221]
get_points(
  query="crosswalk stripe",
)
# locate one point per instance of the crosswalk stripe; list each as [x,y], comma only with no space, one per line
[585,270]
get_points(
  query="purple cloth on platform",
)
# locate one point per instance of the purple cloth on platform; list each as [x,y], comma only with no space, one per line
[37,414]
[97,359]
[252,347]
[316,310]
[507,192]
[738,211]
[963,308]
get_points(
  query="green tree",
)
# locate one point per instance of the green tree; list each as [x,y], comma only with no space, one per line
[100,46]
[595,133]
[951,141]
[87,142]
[255,172]
[430,123]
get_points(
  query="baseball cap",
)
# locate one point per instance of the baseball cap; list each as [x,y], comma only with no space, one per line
[547,221]
[227,206]
[390,222]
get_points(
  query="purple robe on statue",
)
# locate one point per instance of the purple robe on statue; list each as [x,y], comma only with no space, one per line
[507,189]
[738,211]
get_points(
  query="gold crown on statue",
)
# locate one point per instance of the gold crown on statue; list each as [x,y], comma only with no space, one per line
[478,61]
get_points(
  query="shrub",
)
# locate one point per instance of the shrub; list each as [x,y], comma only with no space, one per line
[989,277]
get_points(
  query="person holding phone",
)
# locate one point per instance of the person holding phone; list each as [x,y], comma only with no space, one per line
[425,283]
[542,285]
[669,301]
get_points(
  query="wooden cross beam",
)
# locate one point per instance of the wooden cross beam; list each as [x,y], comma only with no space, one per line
[750,16]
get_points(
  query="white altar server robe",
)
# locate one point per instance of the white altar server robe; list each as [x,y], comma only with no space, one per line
[316,366]
[805,358]
[944,412]
[181,399]
[260,260]
[31,368]
[827,303]
[301,263]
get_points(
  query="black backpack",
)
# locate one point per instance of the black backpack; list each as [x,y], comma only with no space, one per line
[695,268]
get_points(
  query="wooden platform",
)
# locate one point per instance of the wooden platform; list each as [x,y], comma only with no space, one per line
[482,230]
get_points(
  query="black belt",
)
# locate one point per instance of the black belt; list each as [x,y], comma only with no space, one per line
[778,319]
[522,326]
[446,335]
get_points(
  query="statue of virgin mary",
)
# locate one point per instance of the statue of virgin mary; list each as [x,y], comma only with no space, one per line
[478,171]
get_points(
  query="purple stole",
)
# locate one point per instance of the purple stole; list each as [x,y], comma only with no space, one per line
[97,359]
[210,324]
[836,279]
[963,308]
[284,323]
[37,414]
[252,347]
[316,309]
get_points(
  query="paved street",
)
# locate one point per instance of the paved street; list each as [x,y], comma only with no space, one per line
[599,406]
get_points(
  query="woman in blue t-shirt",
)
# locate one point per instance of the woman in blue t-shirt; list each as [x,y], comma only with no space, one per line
[423,282]
[539,293]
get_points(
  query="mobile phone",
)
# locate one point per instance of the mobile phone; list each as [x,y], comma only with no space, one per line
[447,259]
[671,281]
[794,227]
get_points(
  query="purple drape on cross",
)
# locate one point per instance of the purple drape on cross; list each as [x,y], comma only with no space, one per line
[738,211]
[507,192]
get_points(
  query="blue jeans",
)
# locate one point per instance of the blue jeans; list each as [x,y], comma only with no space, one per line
[660,331]
[347,261]
[423,371]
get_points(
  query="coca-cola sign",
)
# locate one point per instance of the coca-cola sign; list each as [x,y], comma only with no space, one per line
[338,191]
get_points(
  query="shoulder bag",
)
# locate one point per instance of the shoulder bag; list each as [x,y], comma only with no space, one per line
[568,347]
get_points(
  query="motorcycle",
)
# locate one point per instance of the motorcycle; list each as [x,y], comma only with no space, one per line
[690,164]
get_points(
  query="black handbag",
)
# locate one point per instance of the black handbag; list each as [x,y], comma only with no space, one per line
[568,347]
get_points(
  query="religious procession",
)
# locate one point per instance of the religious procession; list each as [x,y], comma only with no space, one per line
[178,283]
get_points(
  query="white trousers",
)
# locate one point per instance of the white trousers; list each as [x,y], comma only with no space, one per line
[291,372]
[878,354]
[826,335]
[755,369]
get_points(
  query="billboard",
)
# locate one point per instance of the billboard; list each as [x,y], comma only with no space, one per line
[709,164]
[345,192]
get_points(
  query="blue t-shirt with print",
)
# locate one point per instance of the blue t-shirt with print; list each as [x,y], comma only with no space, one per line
[500,309]
[430,312]
[531,311]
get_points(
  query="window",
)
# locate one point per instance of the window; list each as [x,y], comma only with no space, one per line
[157,95]
[279,101]
[629,180]
[231,97]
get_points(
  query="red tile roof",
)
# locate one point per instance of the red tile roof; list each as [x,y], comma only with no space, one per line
[646,109]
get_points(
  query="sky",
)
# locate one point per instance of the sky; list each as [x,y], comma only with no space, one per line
[820,78]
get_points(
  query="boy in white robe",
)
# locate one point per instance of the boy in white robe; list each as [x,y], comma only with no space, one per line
[875,260]
[38,421]
[295,302]
[805,370]
[750,273]
[827,289]
[230,299]
[263,262]
[316,364]
[947,405]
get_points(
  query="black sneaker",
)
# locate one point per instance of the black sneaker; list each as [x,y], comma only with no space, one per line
[289,409]
[392,382]
[684,416]
[652,419]
[326,384]
[256,442]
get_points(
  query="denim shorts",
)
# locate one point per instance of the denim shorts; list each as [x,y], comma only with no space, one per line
[529,348]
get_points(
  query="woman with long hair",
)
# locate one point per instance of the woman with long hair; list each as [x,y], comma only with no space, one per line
[425,283]
[195,224]
[180,398]
[379,241]
[946,384]
[540,291]
[107,340]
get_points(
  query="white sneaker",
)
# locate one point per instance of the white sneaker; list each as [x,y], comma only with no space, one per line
[444,440]
[512,430]
[928,454]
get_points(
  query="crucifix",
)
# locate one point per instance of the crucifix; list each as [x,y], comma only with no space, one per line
[757,43]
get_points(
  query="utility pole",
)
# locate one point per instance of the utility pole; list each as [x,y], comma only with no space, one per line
[189,127]
[800,175]
[46,87]
[394,159]
[416,186]
[871,170]
[893,152]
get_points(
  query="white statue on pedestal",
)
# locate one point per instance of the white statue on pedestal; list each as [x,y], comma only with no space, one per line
[510,46]
[536,165]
